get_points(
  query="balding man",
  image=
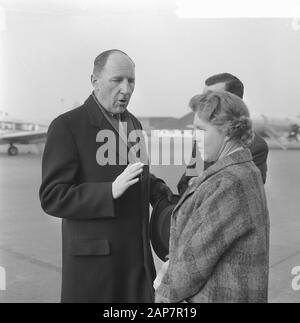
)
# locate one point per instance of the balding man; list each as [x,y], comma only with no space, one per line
[104,204]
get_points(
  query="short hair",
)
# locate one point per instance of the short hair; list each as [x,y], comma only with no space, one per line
[101,60]
[232,83]
[227,112]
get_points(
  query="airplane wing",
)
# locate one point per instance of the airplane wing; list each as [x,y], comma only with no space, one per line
[25,137]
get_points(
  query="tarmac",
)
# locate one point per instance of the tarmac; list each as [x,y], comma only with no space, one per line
[30,240]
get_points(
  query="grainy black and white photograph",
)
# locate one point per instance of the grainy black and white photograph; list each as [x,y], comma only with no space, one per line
[149,152]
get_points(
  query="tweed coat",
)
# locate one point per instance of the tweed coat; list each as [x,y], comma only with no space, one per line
[105,242]
[219,237]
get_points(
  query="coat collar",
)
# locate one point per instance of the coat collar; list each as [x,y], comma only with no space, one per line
[238,157]
[95,115]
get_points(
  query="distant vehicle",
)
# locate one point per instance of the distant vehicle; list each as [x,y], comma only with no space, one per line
[14,131]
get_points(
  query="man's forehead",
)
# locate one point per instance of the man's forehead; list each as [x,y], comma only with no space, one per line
[118,62]
[220,86]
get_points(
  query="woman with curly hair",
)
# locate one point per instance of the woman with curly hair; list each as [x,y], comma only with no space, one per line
[219,236]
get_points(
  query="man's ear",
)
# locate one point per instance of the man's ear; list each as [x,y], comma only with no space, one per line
[94,82]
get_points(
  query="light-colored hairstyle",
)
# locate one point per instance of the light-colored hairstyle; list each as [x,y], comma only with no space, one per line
[227,112]
[101,59]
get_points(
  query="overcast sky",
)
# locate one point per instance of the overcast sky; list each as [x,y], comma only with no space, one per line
[48,52]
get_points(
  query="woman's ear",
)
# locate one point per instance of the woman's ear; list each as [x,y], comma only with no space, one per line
[226,139]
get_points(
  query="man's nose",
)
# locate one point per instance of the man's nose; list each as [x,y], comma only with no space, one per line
[125,87]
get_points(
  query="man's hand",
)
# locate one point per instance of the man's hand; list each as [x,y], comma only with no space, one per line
[126,179]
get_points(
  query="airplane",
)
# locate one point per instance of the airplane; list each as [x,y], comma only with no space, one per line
[14,131]
[280,129]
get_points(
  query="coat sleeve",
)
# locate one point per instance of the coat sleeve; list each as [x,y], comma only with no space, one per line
[224,219]
[60,193]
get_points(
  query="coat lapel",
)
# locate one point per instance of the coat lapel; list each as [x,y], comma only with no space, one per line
[135,126]
[95,115]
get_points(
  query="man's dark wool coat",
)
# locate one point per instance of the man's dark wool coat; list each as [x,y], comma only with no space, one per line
[105,242]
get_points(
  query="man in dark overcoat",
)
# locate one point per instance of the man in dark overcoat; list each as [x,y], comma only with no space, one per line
[102,199]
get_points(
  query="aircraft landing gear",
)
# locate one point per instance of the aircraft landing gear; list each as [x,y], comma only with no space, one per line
[12,150]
